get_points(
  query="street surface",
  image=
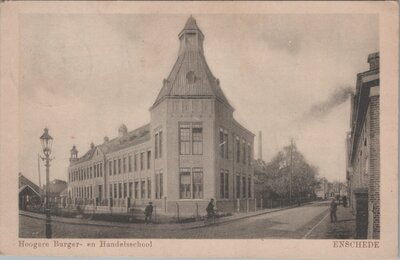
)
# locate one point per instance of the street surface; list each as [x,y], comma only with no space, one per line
[308,221]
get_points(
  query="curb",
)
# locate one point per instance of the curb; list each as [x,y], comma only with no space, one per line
[130,225]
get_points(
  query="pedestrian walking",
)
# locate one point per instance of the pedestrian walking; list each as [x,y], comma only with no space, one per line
[148,212]
[333,210]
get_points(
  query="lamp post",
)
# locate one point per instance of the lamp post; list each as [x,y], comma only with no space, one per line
[47,141]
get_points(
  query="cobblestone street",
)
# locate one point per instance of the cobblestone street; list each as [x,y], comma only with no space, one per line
[308,221]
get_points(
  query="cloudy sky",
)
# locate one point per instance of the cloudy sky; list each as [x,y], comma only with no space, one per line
[286,75]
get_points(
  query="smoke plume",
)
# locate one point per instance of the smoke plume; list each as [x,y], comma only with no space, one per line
[338,97]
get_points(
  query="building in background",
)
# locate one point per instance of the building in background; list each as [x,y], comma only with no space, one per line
[191,151]
[30,195]
[363,158]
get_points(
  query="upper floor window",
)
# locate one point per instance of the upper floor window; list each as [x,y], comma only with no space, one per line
[141,161]
[130,163]
[158,139]
[110,168]
[148,159]
[237,150]
[135,163]
[124,164]
[244,152]
[190,138]
[223,143]
[249,159]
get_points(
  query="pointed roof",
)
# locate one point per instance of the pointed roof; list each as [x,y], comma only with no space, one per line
[191,76]
[190,24]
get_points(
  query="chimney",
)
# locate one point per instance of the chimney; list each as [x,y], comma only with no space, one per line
[259,145]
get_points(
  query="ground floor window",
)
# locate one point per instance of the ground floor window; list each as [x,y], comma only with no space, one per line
[142,189]
[238,187]
[125,190]
[244,187]
[185,183]
[130,189]
[197,183]
[224,184]
[191,183]
[136,189]
[249,188]
[148,188]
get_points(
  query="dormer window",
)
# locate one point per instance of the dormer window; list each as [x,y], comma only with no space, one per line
[191,77]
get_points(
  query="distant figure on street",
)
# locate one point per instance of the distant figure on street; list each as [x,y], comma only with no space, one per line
[344,201]
[148,212]
[333,210]
[210,209]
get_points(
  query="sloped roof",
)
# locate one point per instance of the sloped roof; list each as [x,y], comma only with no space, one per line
[191,60]
[24,182]
[134,137]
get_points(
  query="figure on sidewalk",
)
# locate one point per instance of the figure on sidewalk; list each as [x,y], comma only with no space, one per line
[333,210]
[210,209]
[148,212]
[344,201]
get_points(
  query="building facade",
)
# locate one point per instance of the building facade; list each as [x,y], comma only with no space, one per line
[191,151]
[363,152]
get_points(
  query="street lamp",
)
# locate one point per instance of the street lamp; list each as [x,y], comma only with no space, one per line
[47,141]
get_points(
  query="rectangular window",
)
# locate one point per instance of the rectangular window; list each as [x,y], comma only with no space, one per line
[161,185]
[197,135]
[226,145]
[157,186]
[101,169]
[119,166]
[130,189]
[142,189]
[222,184]
[110,168]
[238,187]
[244,152]
[226,185]
[249,188]
[115,167]
[115,190]
[156,146]
[130,163]
[125,189]
[148,188]
[135,162]
[124,164]
[244,187]
[141,161]
[185,183]
[111,191]
[160,144]
[136,189]
[237,150]
[148,159]
[184,138]
[197,183]
[119,190]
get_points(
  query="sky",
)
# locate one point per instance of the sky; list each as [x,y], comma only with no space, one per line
[287,75]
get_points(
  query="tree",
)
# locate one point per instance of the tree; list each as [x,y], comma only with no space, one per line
[289,172]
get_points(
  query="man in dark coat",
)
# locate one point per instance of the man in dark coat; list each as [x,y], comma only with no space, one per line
[148,212]
[210,209]
[333,210]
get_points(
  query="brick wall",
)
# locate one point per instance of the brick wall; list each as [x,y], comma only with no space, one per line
[374,166]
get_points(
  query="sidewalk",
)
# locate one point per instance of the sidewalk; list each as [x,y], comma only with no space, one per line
[344,228]
[169,226]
